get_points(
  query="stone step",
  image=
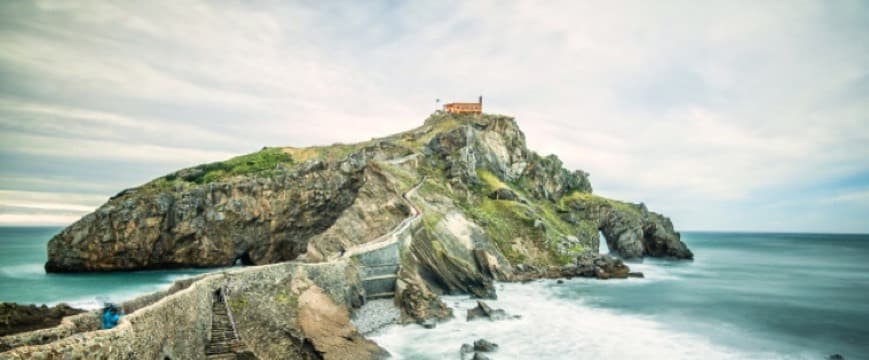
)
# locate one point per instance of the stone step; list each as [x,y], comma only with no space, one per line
[383,295]
[379,270]
[218,349]
[380,277]
[386,255]
[379,285]
[225,356]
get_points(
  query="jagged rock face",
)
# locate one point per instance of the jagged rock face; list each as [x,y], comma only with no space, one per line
[661,240]
[448,269]
[631,231]
[496,144]
[257,220]
[376,210]
[547,179]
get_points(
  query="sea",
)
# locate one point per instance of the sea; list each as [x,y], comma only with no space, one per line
[23,278]
[745,296]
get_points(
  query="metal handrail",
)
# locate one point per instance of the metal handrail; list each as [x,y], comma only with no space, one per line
[229,314]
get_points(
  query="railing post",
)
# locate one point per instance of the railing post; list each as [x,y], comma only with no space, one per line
[229,314]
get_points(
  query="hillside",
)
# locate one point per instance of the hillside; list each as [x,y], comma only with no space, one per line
[487,202]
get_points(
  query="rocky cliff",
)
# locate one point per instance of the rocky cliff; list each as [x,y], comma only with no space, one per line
[488,204]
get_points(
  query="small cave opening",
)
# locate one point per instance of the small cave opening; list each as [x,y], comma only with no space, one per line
[243,260]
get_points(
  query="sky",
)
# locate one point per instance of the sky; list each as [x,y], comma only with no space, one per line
[723,115]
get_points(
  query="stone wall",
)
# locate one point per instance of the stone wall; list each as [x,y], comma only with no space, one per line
[70,325]
[88,321]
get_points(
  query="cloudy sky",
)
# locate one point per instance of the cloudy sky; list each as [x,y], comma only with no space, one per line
[723,115]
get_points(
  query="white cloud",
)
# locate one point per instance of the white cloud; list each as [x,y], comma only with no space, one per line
[37,219]
[678,104]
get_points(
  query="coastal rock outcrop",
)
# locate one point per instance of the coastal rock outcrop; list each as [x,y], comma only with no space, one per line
[589,265]
[252,220]
[459,203]
[16,318]
[485,205]
[631,231]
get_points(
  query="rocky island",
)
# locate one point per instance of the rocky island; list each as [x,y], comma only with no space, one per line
[446,208]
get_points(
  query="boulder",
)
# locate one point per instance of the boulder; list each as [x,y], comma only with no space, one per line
[483,345]
[327,327]
[483,310]
[601,266]
[503,194]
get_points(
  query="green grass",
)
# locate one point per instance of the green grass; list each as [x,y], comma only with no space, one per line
[403,177]
[326,153]
[503,221]
[267,159]
[591,200]
[490,181]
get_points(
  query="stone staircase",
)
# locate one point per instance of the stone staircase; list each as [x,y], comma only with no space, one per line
[379,271]
[222,341]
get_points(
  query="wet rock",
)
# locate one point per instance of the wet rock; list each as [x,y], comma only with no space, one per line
[836,357]
[600,266]
[418,304]
[466,349]
[636,275]
[489,264]
[483,310]
[15,318]
[480,356]
[429,323]
[483,345]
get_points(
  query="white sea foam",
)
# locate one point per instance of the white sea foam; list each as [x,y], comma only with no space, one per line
[98,301]
[23,271]
[552,328]
[117,296]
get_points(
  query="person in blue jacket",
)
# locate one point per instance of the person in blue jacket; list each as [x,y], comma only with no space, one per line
[110,317]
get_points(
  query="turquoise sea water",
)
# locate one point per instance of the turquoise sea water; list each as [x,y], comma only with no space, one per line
[23,279]
[746,296]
